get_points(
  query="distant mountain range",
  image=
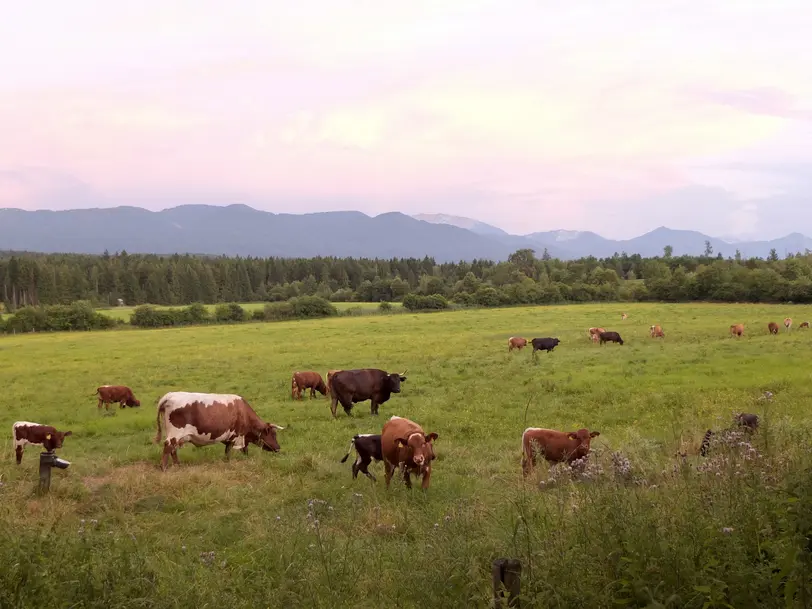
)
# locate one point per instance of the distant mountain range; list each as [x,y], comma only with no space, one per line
[242,230]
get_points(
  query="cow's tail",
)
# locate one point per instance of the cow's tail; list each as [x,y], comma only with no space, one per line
[95,393]
[161,409]
[349,450]
[293,387]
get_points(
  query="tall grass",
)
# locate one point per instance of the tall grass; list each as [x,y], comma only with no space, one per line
[637,526]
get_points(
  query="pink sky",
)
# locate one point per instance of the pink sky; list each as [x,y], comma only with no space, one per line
[612,116]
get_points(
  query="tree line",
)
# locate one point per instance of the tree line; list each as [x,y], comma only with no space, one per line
[525,278]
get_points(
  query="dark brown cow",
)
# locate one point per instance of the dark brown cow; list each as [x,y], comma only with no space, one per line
[804,324]
[352,386]
[772,327]
[737,329]
[208,418]
[367,447]
[301,381]
[121,394]
[556,446]
[404,445]
[25,432]
[611,337]
[516,342]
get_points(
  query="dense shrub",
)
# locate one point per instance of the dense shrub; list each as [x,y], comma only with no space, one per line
[55,318]
[231,311]
[385,307]
[434,302]
[312,306]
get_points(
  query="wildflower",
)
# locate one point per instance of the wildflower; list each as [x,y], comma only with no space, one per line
[278,518]
[436,525]
[207,557]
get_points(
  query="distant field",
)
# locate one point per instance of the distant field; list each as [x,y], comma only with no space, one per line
[117,532]
[124,313]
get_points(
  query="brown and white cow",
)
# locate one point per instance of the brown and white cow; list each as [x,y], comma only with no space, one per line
[405,446]
[301,381]
[737,329]
[595,333]
[623,316]
[209,418]
[556,446]
[656,332]
[121,394]
[772,327]
[804,324]
[788,323]
[25,432]
[516,342]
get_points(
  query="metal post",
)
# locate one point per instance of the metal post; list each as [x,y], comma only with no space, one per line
[506,574]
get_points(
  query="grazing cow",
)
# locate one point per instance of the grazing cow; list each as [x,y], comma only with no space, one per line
[772,327]
[404,445]
[745,419]
[544,344]
[368,447]
[623,316]
[116,393]
[556,446]
[595,331]
[610,337]
[788,323]
[25,432]
[301,381]
[208,418]
[516,342]
[352,386]
[804,324]
[656,332]
[737,329]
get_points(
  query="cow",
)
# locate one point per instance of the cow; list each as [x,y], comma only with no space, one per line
[516,342]
[208,418]
[656,332]
[592,332]
[610,337]
[788,323]
[116,393]
[804,324]
[736,329]
[595,338]
[544,344]
[359,385]
[301,381]
[330,374]
[772,327]
[745,419]
[406,446]
[367,447]
[25,432]
[623,316]
[556,446]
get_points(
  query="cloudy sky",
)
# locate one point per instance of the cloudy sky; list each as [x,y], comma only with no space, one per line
[616,116]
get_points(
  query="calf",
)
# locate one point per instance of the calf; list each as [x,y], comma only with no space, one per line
[804,324]
[611,337]
[544,344]
[556,446]
[656,332]
[301,381]
[772,327]
[516,342]
[737,329]
[116,393]
[404,445]
[25,432]
[368,447]
[593,332]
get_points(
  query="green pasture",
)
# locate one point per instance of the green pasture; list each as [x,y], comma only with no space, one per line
[294,529]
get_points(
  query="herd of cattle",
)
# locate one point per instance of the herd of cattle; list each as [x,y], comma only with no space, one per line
[206,418]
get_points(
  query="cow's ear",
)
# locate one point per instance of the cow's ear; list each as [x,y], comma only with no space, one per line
[571,435]
[402,378]
[401,443]
[431,437]
[594,434]
[67,433]
[48,437]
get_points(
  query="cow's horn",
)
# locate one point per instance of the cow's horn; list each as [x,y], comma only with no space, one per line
[277,426]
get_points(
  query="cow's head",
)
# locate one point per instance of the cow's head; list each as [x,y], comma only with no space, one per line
[395,379]
[54,439]
[420,447]
[267,438]
[584,437]
[133,402]
[556,342]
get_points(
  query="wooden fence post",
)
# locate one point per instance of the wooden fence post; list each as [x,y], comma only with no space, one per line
[507,573]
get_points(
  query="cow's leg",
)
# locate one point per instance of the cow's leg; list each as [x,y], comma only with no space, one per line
[334,404]
[365,462]
[100,403]
[407,477]
[356,466]
[228,449]
[165,456]
[389,469]
[347,405]
[19,451]
[373,407]
[426,478]
[312,392]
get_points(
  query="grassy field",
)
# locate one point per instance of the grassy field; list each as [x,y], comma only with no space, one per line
[124,313]
[294,530]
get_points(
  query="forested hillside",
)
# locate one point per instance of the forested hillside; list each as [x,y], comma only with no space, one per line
[33,279]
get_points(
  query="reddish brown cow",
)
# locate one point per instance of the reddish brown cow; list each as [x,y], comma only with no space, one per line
[25,432]
[301,381]
[516,342]
[623,316]
[656,332]
[594,333]
[737,329]
[116,393]
[804,324]
[556,446]
[404,445]
[772,327]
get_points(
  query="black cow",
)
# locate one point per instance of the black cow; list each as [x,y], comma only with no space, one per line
[544,344]
[368,447]
[744,419]
[610,337]
[351,386]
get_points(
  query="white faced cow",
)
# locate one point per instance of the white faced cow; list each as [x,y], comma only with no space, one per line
[209,418]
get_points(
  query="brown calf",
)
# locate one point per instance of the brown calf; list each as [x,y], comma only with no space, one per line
[804,324]
[301,381]
[516,342]
[116,393]
[737,329]
[772,327]
[556,446]
[404,445]
[623,316]
[25,432]
[656,332]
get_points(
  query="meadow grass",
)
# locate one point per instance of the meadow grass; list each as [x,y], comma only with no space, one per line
[124,313]
[293,528]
